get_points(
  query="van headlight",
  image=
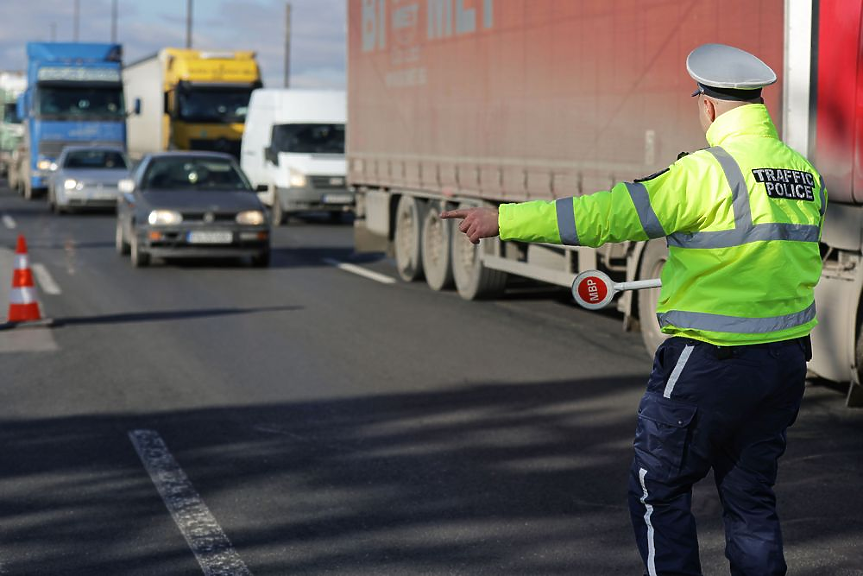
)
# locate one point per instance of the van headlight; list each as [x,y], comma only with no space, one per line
[70,184]
[164,217]
[298,180]
[251,218]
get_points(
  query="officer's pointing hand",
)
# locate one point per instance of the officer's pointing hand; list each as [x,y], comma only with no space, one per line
[477,223]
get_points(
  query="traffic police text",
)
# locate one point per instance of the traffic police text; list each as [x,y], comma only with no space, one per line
[783,183]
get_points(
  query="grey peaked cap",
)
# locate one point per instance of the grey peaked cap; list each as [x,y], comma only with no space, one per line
[721,66]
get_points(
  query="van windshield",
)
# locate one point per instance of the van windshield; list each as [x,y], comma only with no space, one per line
[309,138]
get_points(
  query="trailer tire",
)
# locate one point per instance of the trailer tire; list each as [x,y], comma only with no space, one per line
[652,260]
[410,214]
[473,280]
[437,250]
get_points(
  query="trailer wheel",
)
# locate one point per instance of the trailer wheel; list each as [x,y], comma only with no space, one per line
[652,260]
[437,250]
[472,279]
[410,214]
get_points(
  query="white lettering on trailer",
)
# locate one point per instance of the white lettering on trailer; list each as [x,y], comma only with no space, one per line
[441,15]
[374,20]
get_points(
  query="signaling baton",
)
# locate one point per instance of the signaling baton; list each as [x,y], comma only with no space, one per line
[594,289]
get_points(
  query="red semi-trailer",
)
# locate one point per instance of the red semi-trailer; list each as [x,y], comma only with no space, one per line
[480,102]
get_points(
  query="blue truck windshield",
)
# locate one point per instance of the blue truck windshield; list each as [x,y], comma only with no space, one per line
[69,102]
[214,105]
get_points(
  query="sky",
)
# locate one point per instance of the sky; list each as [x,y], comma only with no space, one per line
[317,46]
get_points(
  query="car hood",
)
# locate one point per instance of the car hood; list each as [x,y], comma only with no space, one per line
[314,164]
[94,176]
[203,200]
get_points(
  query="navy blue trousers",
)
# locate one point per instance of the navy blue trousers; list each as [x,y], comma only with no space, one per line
[726,409]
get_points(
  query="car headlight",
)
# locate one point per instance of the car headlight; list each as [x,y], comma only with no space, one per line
[70,184]
[250,217]
[164,217]
[298,180]
[43,165]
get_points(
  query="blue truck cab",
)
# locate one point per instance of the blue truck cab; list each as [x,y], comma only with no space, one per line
[74,96]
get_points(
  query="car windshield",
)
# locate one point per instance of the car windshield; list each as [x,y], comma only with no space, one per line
[95,160]
[309,138]
[214,105]
[185,173]
[73,102]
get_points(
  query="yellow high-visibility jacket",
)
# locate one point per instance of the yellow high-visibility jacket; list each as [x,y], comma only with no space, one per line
[742,220]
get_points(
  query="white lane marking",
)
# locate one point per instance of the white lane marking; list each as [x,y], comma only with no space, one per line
[205,537]
[360,271]
[46,281]
[9,222]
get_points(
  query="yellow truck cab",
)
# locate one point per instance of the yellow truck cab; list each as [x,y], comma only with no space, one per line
[183,99]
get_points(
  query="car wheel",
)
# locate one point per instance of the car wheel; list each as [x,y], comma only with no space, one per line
[140,258]
[120,243]
[261,260]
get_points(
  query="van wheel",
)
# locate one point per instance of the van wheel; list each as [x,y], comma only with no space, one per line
[437,250]
[278,213]
[653,258]
[408,238]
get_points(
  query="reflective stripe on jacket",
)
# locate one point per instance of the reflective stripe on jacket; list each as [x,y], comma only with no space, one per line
[742,221]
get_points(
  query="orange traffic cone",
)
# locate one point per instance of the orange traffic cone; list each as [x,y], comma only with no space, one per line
[23,304]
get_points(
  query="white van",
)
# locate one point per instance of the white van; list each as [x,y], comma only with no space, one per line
[294,144]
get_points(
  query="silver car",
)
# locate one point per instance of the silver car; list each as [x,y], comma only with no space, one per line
[87,176]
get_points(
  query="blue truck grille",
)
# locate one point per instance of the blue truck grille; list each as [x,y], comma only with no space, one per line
[52,148]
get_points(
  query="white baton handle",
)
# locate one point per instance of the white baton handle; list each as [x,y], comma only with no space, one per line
[638,284]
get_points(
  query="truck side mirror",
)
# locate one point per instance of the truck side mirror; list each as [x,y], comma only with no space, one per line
[137,107]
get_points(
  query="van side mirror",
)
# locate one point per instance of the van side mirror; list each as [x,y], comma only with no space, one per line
[137,107]
[262,188]
[271,155]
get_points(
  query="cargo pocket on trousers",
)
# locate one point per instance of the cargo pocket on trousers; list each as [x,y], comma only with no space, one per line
[662,434]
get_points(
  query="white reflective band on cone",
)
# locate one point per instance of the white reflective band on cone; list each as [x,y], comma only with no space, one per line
[26,295]
[22,261]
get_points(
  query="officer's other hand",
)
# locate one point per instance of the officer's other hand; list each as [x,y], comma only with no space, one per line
[477,223]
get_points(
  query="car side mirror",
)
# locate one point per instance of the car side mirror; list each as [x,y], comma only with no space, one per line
[271,155]
[126,185]
[262,188]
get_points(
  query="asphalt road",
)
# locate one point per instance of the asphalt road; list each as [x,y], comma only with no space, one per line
[220,419]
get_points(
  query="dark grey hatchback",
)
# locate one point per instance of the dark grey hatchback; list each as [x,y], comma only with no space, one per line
[191,205]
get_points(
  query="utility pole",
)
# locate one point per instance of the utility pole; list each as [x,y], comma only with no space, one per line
[77,20]
[188,23]
[114,22]
[287,44]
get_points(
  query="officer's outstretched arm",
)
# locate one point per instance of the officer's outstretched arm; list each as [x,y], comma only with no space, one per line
[651,208]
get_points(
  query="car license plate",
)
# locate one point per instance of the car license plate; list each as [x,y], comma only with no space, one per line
[207,237]
[338,198]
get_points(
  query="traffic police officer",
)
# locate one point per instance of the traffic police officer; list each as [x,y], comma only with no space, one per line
[742,220]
